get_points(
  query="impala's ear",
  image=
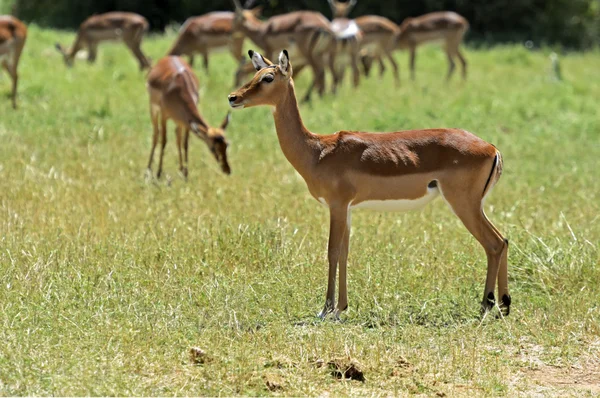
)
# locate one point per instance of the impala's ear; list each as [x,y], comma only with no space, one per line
[226,121]
[258,60]
[257,11]
[351,4]
[284,62]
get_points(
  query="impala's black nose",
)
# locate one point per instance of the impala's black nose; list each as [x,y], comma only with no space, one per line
[232,97]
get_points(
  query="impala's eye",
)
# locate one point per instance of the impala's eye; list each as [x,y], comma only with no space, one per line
[268,78]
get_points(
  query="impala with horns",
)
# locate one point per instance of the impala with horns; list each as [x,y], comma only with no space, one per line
[12,40]
[173,90]
[379,40]
[394,171]
[126,26]
[308,32]
[348,41]
[208,33]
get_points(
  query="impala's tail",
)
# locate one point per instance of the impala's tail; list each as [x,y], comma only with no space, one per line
[495,174]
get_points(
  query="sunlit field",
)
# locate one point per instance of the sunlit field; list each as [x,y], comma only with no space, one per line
[108,278]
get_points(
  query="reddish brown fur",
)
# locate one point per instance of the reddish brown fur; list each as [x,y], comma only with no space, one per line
[126,26]
[349,169]
[173,90]
[13,34]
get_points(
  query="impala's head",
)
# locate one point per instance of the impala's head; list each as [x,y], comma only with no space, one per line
[270,83]
[67,57]
[339,9]
[214,137]
[243,16]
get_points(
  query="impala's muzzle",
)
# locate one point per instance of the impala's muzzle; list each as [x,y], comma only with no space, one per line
[235,102]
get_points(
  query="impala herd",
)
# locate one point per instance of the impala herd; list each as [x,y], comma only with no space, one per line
[397,171]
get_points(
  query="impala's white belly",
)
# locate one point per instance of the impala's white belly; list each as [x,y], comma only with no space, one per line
[398,204]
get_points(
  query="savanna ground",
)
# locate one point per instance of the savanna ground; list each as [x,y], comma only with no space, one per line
[107,280]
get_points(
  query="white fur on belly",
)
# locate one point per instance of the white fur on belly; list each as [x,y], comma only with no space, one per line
[399,204]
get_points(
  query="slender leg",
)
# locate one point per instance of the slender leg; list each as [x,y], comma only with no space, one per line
[134,45]
[163,143]
[186,136]
[354,65]
[337,228]
[179,138]
[412,61]
[390,57]
[470,211]
[205,58]
[451,64]
[463,62]
[12,71]
[342,304]
[154,117]
[191,60]
[381,66]
[92,51]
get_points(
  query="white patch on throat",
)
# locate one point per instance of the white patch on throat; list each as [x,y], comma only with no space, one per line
[399,204]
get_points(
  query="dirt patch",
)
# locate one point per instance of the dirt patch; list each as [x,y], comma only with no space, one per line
[579,378]
[198,356]
[273,382]
[344,368]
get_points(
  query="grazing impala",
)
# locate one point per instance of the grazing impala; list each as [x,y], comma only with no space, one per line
[395,171]
[447,26]
[12,39]
[173,90]
[210,32]
[348,40]
[379,39]
[125,26]
[307,31]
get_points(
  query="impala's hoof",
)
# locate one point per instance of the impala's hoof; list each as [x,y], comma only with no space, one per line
[488,303]
[505,305]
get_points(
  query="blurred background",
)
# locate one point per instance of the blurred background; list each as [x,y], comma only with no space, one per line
[570,24]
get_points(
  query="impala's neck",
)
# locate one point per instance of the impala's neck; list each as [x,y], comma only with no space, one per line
[300,146]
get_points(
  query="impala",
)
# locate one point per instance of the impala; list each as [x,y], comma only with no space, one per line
[379,39]
[210,32]
[447,26]
[125,26]
[348,40]
[394,171]
[12,39]
[173,90]
[307,31]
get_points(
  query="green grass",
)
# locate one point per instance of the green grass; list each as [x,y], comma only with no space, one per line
[107,280]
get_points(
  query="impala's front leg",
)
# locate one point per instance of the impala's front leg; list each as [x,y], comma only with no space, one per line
[337,228]
[342,304]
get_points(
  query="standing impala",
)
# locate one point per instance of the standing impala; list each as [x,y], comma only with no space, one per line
[210,32]
[173,90]
[12,40]
[379,40]
[307,31]
[348,40]
[395,171]
[125,26]
[446,26]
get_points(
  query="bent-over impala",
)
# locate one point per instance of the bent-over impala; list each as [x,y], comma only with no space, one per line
[126,26]
[394,171]
[12,40]
[173,90]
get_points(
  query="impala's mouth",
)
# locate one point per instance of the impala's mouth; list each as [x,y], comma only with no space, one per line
[235,106]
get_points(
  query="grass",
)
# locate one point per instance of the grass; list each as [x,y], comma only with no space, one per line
[107,280]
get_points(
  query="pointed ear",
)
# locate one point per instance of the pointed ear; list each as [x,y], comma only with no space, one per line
[226,121]
[284,62]
[257,11]
[352,4]
[258,60]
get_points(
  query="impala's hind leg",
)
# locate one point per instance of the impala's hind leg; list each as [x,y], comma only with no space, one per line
[464,194]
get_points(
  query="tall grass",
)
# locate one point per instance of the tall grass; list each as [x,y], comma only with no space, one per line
[107,280]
